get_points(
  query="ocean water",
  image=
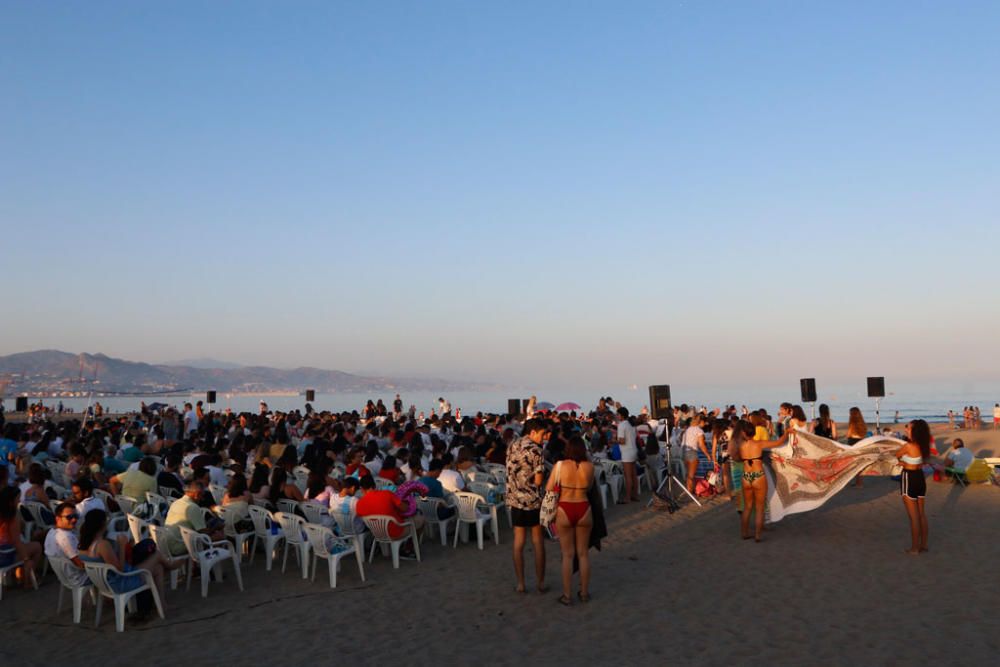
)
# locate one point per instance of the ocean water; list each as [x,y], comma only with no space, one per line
[930,401]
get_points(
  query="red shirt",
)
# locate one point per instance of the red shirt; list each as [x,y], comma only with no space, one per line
[360,468]
[383,502]
[391,475]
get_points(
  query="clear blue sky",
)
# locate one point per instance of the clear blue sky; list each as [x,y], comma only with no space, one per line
[588,192]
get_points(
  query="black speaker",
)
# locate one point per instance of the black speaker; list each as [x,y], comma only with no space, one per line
[808,387]
[21,404]
[310,395]
[659,401]
[513,406]
[210,397]
[876,387]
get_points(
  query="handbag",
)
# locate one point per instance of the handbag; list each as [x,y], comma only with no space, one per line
[550,502]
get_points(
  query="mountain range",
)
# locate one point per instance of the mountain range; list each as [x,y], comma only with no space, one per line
[53,371]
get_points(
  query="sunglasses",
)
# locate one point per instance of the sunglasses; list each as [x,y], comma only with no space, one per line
[71,517]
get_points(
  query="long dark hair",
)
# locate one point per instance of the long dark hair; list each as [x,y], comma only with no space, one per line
[258,480]
[824,415]
[278,479]
[93,522]
[237,486]
[920,433]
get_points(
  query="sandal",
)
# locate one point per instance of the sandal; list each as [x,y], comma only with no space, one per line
[563,600]
[583,597]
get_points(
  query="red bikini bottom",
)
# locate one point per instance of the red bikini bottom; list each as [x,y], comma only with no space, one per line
[575,510]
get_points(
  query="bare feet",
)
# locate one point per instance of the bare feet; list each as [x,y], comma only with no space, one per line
[542,588]
[912,552]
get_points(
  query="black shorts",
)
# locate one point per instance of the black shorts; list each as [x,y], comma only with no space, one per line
[524,518]
[912,484]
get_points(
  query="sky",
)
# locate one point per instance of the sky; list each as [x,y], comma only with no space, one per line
[517,192]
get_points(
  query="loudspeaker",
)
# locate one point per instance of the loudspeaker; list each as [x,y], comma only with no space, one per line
[310,395]
[210,397]
[808,387]
[513,406]
[876,387]
[659,401]
[21,404]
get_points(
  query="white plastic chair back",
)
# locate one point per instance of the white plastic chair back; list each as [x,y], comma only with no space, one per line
[383,484]
[139,528]
[468,504]
[126,503]
[292,525]
[315,513]
[287,506]
[379,524]
[322,539]
[169,492]
[345,522]
[262,520]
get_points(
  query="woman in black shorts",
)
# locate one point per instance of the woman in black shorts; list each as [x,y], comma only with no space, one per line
[913,486]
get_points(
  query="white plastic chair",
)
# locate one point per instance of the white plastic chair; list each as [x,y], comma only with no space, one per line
[264,531]
[240,538]
[138,528]
[66,573]
[322,540]
[7,569]
[288,506]
[293,526]
[429,508]
[345,526]
[160,536]
[98,574]
[161,503]
[468,513]
[382,484]
[615,477]
[169,492]
[208,555]
[218,493]
[317,513]
[379,525]
[126,503]
[494,499]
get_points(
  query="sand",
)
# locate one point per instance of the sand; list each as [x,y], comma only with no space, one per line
[831,587]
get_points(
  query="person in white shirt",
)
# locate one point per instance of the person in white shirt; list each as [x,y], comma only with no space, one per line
[996,416]
[959,457]
[451,479]
[62,542]
[626,438]
[83,493]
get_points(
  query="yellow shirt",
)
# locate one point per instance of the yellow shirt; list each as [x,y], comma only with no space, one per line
[760,433]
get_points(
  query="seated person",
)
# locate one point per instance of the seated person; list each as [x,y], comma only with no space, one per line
[135,483]
[958,458]
[170,476]
[189,513]
[381,502]
[83,494]
[13,547]
[389,471]
[450,479]
[345,502]
[435,489]
[62,541]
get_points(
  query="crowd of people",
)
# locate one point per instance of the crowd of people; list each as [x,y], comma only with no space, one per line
[351,462]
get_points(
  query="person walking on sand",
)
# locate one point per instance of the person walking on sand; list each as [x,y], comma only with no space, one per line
[996,416]
[912,484]
[574,519]
[525,474]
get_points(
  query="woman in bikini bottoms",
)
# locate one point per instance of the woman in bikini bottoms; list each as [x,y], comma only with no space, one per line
[574,475]
[754,481]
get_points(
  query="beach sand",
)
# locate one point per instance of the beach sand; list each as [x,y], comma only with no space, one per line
[830,587]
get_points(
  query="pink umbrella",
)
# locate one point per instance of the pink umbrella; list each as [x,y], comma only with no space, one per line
[567,407]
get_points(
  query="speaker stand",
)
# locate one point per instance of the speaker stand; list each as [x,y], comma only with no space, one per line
[667,479]
[812,411]
[878,425]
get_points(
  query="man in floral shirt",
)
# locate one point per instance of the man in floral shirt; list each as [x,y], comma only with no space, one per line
[525,474]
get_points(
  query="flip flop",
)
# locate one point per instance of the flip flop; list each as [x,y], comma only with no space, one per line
[583,598]
[563,600]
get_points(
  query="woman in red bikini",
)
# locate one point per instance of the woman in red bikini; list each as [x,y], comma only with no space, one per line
[574,475]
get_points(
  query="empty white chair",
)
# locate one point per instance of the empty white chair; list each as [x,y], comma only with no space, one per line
[76,580]
[380,524]
[293,526]
[240,538]
[160,535]
[101,574]
[328,546]
[429,508]
[208,555]
[470,514]
[267,531]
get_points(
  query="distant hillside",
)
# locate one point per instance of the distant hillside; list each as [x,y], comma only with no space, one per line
[202,362]
[55,371]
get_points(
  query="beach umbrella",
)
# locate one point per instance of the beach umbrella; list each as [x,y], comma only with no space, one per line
[543,406]
[567,407]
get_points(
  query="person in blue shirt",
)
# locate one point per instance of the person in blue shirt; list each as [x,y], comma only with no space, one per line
[8,447]
[434,488]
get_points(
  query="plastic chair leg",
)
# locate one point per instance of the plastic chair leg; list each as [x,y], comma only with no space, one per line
[239,575]
[395,555]
[479,534]
[120,603]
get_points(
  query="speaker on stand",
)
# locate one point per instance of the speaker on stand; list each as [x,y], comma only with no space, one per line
[808,388]
[310,395]
[210,398]
[513,407]
[21,404]
[876,390]
[660,408]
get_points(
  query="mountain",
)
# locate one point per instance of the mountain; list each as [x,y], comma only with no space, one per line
[53,371]
[204,363]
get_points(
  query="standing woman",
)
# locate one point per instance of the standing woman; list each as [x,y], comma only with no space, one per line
[913,486]
[694,442]
[754,481]
[574,474]
[824,426]
[857,431]
[721,433]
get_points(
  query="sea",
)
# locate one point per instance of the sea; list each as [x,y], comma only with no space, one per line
[926,400]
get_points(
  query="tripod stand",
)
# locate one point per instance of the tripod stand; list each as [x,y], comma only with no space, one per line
[665,485]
